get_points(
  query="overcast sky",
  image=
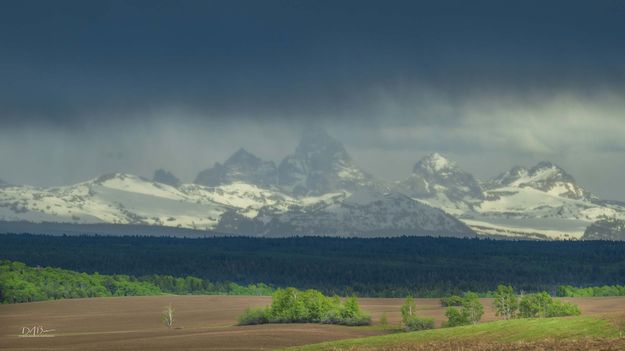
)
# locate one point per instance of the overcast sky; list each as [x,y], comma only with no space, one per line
[93,87]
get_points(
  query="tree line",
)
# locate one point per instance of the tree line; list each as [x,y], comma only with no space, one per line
[383,267]
[21,283]
[467,309]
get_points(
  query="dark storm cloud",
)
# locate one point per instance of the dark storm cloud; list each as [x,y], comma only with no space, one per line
[64,61]
[89,87]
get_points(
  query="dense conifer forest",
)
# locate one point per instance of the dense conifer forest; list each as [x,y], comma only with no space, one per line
[421,266]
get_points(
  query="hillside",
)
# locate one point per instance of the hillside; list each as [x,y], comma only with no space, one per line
[520,334]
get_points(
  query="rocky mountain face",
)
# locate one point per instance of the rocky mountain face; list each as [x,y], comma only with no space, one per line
[606,229]
[242,166]
[360,214]
[319,190]
[542,202]
[236,208]
[321,165]
[545,177]
[166,177]
[441,180]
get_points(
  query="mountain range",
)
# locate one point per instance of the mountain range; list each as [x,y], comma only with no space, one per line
[319,190]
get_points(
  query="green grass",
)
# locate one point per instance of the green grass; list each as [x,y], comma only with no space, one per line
[499,331]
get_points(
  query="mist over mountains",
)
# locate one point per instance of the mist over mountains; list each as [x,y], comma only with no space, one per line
[319,190]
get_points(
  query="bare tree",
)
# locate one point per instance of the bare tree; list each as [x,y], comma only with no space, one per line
[168,316]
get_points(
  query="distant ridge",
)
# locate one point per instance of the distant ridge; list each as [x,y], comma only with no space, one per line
[319,190]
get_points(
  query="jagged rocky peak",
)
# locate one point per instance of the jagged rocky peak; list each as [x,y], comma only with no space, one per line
[545,176]
[508,177]
[320,165]
[242,166]
[166,177]
[434,163]
[435,174]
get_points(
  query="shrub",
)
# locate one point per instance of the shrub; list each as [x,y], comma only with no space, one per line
[534,305]
[455,317]
[252,316]
[541,305]
[561,309]
[470,312]
[417,323]
[453,300]
[383,320]
[409,318]
[291,305]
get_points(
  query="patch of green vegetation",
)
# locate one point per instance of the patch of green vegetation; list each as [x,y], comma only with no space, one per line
[410,320]
[21,283]
[311,306]
[592,291]
[505,331]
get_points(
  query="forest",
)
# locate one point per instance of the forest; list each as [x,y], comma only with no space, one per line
[381,267]
[21,283]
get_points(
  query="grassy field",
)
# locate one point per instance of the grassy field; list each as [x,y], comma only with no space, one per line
[207,323]
[499,332]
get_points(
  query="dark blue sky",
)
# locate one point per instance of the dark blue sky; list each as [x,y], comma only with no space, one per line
[62,59]
[493,83]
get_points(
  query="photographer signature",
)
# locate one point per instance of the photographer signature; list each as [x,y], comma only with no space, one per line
[36,331]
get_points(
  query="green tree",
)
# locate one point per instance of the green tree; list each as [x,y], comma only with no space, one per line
[542,305]
[470,312]
[506,302]
[472,307]
[534,305]
[410,320]
[383,319]
[408,309]
[350,309]
[456,317]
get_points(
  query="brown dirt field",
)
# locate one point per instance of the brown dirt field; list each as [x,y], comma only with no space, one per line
[204,322]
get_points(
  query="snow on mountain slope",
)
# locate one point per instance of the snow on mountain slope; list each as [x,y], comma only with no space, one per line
[319,190]
[442,183]
[358,214]
[540,202]
[546,177]
[114,198]
[128,199]
[232,208]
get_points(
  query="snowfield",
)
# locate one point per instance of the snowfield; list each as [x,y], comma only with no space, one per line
[319,190]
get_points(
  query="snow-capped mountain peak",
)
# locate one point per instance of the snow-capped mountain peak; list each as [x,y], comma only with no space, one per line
[435,163]
[545,176]
[320,165]
[442,182]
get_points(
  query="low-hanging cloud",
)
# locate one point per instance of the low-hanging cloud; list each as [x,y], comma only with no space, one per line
[89,88]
